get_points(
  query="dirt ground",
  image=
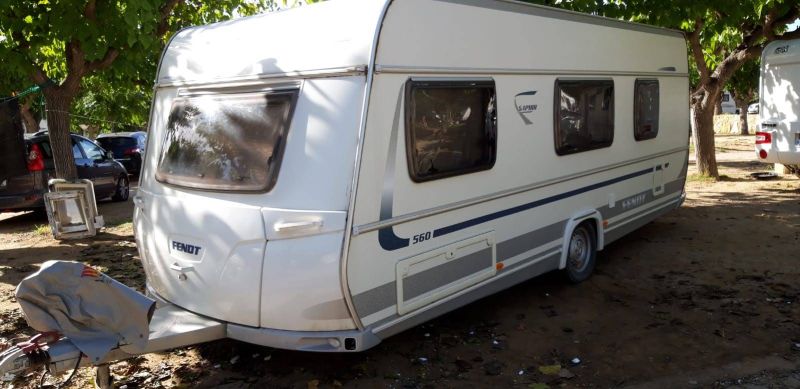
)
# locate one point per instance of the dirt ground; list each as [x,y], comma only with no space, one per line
[705,296]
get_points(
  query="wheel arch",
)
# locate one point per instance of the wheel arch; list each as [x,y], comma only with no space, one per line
[592,216]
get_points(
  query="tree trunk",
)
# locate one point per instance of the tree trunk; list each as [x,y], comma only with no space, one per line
[28,118]
[704,150]
[742,102]
[58,104]
[743,130]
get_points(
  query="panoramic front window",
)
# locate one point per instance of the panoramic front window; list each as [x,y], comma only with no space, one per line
[451,128]
[584,115]
[645,109]
[226,142]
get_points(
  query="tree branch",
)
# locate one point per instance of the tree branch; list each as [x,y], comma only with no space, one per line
[697,50]
[165,11]
[38,75]
[769,24]
[103,63]
[76,67]
[791,35]
[786,19]
[733,62]
[90,11]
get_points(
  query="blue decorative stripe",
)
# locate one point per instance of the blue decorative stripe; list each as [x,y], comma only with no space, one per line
[390,241]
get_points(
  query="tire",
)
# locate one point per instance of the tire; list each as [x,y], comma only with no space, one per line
[122,189]
[581,253]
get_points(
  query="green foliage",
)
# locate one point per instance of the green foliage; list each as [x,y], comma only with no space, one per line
[744,83]
[112,105]
[722,25]
[34,34]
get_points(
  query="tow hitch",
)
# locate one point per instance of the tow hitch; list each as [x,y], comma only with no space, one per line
[171,327]
[78,301]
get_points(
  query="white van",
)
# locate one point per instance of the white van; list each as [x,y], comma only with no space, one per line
[324,177]
[727,104]
[778,134]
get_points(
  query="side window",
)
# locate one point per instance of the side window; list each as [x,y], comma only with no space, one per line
[92,151]
[645,109]
[76,150]
[584,117]
[451,128]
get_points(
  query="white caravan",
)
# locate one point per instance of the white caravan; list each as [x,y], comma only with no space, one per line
[778,134]
[324,177]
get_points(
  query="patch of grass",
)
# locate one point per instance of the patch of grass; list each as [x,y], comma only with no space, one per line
[706,179]
[700,178]
[121,223]
[42,229]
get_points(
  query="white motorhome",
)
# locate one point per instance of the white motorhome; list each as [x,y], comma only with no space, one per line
[778,134]
[324,177]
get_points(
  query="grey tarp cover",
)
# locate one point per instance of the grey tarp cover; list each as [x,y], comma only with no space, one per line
[94,311]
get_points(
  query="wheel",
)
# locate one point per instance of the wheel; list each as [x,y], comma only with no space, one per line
[122,190]
[581,253]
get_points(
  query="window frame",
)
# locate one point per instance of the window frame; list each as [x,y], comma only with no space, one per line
[293,90]
[557,113]
[450,83]
[636,135]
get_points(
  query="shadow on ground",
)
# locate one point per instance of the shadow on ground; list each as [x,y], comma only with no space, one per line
[705,285]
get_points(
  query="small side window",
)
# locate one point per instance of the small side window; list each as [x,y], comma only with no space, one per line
[584,117]
[645,109]
[451,128]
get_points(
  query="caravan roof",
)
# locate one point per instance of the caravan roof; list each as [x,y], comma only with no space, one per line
[289,42]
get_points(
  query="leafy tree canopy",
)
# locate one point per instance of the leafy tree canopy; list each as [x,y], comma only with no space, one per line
[58,43]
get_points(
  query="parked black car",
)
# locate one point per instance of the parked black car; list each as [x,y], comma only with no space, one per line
[127,147]
[26,191]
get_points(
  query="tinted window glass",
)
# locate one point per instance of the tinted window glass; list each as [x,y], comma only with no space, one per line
[584,115]
[48,153]
[226,142]
[76,151]
[121,147]
[92,151]
[645,109]
[450,128]
[117,141]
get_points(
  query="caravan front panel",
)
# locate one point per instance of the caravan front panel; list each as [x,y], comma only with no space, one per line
[236,172]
